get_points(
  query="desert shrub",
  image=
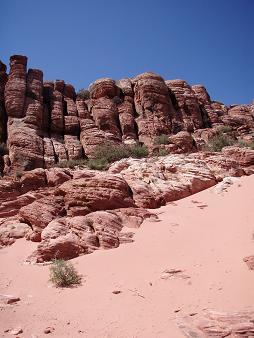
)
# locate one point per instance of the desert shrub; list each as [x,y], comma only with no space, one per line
[83,94]
[163,152]
[18,174]
[242,143]
[251,145]
[3,149]
[161,139]
[225,129]
[218,142]
[63,274]
[138,151]
[97,163]
[111,153]
[117,100]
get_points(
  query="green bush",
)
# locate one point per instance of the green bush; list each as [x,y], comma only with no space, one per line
[161,139]
[83,94]
[242,143]
[106,154]
[225,129]
[251,145]
[18,174]
[63,274]
[163,152]
[218,142]
[3,149]
[97,164]
[111,153]
[138,151]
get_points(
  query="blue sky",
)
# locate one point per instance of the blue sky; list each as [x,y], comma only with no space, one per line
[202,41]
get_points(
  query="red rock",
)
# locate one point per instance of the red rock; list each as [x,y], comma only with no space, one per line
[172,177]
[103,88]
[188,115]
[82,108]
[15,89]
[91,137]
[33,179]
[57,176]
[16,331]
[184,142]
[57,118]
[12,230]
[105,115]
[126,111]
[60,152]
[39,213]
[153,105]
[95,192]
[239,115]
[73,147]
[9,299]
[49,153]
[69,237]
[249,261]
[48,330]
[11,207]
[206,104]
[25,146]
[3,115]
[244,156]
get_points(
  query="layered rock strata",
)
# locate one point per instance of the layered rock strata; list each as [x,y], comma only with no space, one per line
[45,123]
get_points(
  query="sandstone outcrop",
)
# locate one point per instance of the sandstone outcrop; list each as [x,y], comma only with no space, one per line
[44,124]
[218,324]
[95,192]
[47,123]
[59,205]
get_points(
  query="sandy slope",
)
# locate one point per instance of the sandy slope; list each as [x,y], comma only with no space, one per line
[206,235]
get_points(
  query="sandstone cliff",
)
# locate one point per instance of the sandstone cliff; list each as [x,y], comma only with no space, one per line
[46,123]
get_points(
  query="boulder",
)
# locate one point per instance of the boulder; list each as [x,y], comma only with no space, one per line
[40,213]
[97,191]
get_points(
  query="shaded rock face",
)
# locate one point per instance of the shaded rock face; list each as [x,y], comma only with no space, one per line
[188,113]
[46,123]
[3,115]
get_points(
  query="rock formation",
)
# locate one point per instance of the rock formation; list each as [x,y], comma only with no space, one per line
[76,211]
[48,123]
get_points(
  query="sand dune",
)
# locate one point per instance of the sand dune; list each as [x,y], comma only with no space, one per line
[205,236]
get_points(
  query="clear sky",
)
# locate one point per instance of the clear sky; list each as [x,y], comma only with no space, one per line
[202,41]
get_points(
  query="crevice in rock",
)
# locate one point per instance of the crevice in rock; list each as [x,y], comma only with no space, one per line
[205,117]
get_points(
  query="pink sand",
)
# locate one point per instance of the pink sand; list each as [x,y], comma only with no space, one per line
[208,243]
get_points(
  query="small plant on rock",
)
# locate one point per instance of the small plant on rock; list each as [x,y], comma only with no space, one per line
[161,139]
[63,274]
[218,142]
[97,164]
[225,129]
[83,94]
[163,152]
